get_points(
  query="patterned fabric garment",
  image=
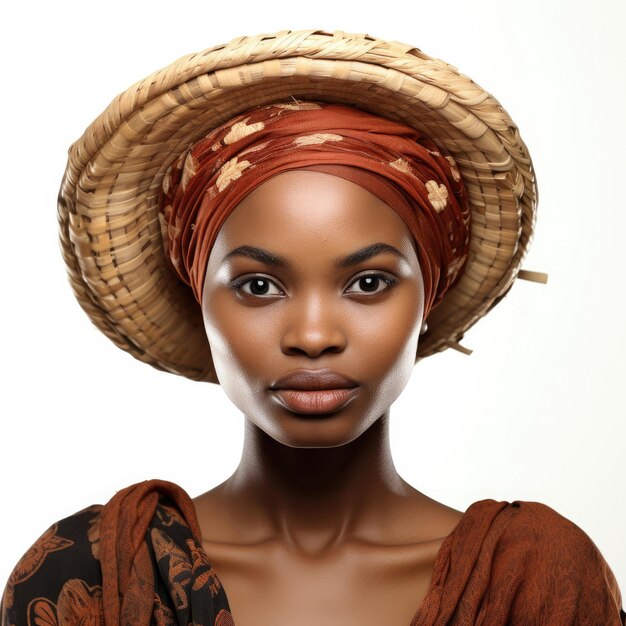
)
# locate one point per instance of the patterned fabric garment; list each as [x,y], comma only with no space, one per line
[395,162]
[518,564]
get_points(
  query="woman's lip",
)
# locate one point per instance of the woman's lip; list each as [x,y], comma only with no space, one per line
[318,401]
[313,380]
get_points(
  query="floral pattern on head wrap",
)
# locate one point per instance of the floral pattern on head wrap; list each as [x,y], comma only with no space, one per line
[397,163]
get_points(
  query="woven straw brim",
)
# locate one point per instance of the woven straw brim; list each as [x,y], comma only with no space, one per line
[108,211]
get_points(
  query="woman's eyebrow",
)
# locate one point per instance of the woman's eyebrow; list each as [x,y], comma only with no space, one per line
[369,251]
[265,256]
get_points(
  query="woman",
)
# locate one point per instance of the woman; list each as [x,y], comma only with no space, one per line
[227,222]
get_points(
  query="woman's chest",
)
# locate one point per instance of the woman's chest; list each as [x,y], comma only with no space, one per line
[369,587]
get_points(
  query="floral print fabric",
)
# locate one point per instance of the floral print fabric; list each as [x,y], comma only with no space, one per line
[393,161]
[514,564]
[137,561]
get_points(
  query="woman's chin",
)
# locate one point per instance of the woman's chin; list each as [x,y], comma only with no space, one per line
[315,431]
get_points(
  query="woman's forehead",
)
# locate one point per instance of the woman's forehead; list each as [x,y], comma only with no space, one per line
[296,207]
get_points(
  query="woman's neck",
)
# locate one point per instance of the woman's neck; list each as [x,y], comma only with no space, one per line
[314,499]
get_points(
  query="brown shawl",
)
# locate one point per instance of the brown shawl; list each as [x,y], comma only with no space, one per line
[139,561]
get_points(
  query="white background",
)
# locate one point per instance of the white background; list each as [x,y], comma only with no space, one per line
[535,413]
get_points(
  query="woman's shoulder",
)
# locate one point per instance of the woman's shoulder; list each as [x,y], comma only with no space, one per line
[545,535]
[59,574]
[530,528]
[551,562]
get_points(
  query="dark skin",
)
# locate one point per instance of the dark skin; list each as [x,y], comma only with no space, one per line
[316,526]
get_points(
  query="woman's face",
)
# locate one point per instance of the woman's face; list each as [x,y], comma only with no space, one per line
[282,293]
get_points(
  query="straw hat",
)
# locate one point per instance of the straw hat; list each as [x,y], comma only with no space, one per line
[108,210]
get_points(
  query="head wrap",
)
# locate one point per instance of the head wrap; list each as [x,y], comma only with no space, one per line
[393,161]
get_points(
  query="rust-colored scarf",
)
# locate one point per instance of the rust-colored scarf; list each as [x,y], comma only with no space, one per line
[393,161]
[139,561]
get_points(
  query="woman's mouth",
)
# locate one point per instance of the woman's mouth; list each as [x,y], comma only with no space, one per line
[315,401]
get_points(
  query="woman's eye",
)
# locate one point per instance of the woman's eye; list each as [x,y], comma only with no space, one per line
[373,283]
[257,286]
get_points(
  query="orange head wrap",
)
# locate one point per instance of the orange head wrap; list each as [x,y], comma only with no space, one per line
[393,161]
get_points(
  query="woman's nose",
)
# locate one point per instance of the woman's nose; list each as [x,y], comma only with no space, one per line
[313,327]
